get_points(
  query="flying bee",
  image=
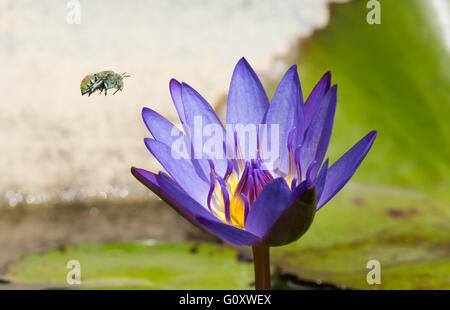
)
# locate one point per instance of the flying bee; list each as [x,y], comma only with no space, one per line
[102,81]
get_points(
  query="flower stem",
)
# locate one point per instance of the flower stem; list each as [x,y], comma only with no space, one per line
[261,261]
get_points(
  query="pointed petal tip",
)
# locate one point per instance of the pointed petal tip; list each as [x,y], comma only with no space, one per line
[145,111]
[133,170]
[345,167]
[332,91]
[136,171]
[247,100]
[173,86]
[173,82]
[242,60]
[292,68]
[149,143]
[371,136]
[185,86]
[293,72]
[144,176]
[152,145]
[243,64]
[148,116]
[325,80]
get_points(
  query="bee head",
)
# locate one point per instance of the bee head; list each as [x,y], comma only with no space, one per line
[120,82]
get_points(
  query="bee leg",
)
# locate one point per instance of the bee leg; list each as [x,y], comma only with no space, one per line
[105,91]
[116,91]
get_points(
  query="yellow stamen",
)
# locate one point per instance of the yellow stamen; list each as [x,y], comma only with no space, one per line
[237,206]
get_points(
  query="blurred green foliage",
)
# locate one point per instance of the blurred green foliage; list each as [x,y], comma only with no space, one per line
[393,77]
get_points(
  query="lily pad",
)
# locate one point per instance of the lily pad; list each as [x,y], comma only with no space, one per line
[407,232]
[138,266]
[393,77]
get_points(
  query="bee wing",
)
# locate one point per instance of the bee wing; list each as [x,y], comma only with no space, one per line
[97,84]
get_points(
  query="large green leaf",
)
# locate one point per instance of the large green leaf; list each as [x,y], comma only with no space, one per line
[138,266]
[407,232]
[393,77]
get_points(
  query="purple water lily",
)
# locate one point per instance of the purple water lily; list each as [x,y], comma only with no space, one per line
[241,200]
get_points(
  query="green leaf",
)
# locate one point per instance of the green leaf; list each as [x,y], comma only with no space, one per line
[138,266]
[405,231]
